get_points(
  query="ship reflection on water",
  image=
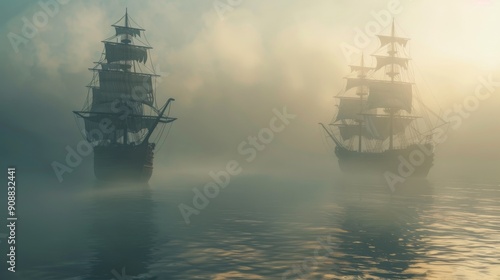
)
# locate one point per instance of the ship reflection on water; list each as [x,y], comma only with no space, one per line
[378,232]
[122,231]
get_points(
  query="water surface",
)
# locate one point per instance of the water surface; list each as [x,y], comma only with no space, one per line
[261,228]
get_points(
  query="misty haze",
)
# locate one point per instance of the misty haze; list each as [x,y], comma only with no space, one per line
[224,139]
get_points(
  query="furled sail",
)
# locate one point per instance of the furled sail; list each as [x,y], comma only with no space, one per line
[124,85]
[395,95]
[350,108]
[125,52]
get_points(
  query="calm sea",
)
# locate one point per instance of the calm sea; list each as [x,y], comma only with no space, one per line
[259,228]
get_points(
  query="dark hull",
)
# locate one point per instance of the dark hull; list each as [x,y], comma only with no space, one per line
[413,161]
[124,162]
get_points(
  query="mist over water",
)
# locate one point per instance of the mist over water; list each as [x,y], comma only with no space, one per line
[262,228]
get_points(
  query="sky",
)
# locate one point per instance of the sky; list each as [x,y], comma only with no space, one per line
[228,64]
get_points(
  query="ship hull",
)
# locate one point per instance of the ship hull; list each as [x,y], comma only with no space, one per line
[413,161]
[124,162]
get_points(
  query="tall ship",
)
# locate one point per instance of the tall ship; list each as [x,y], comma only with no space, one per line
[382,123]
[121,118]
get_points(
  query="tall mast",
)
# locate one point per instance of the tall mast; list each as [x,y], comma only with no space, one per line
[392,53]
[126,41]
[126,17]
[361,93]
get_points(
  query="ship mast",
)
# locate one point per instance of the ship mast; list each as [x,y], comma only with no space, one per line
[125,40]
[392,53]
[361,93]
[126,17]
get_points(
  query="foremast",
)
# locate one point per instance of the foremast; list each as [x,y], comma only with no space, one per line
[121,93]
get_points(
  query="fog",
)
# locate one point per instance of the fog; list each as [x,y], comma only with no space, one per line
[229,67]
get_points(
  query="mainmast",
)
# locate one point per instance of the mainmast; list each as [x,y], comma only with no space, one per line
[361,93]
[126,17]
[392,53]
[126,40]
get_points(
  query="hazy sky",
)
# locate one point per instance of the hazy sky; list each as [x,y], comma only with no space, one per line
[229,68]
